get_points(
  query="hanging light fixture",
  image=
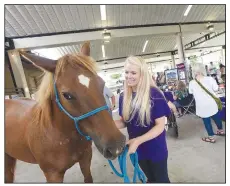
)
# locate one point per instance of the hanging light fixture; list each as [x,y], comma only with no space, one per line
[210,27]
[106,35]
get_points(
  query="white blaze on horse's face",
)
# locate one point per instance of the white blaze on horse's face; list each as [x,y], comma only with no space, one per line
[84,80]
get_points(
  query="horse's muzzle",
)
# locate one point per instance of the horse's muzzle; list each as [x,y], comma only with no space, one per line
[113,150]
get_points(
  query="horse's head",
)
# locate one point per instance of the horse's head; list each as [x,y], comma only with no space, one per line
[80,91]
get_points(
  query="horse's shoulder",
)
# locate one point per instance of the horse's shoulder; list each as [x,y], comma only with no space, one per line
[21,101]
[25,98]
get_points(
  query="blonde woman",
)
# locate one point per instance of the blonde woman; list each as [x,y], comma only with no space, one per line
[206,106]
[143,110]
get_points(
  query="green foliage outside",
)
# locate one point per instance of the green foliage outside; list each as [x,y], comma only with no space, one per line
[115,76]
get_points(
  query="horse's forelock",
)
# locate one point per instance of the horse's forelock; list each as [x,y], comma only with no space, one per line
[46,87]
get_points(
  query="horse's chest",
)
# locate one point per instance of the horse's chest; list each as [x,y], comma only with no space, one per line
[69,149]
[68,153]
[62,159]
[62,152]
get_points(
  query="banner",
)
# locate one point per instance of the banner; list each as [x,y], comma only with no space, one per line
[171,76]
[180,66]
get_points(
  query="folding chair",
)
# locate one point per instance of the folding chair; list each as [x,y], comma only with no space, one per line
[188,104]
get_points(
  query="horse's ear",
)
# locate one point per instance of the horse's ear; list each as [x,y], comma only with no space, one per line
[41,62]
[85,49]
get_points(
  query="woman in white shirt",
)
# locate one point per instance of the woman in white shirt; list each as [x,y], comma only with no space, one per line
[206,107]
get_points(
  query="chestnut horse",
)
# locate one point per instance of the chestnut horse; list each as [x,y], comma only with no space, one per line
[45,133]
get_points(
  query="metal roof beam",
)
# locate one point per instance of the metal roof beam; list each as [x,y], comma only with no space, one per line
[74,38]
[203,39]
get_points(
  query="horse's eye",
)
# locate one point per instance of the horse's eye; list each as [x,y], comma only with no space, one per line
[68,96]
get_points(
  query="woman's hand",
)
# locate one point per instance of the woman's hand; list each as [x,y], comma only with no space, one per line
[133,145]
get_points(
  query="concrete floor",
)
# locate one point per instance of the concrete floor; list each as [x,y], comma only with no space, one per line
[190,160]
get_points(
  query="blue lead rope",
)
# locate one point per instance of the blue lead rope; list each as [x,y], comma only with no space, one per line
[123,167]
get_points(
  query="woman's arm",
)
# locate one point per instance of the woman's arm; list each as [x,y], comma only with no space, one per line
[172,107]
[175,95]
[120,123]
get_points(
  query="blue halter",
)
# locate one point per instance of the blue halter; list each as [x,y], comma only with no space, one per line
[76,119]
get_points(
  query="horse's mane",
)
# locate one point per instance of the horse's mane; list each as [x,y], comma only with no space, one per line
[45,93]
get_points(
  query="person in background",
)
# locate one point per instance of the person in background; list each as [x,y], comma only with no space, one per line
[162,79]
[158,79]
[213,72]
[218,77]
[206,69]
[190,73]
[206,106]
[180,93]
[167,91]
[222,71]
[109,95]
[118,91]
[143,110]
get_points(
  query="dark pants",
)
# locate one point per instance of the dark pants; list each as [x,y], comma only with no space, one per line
[177,104]
[156,172]
[208,125]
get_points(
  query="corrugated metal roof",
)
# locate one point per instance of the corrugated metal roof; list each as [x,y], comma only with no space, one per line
[23,20]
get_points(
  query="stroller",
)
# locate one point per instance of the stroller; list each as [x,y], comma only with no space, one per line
[171,123]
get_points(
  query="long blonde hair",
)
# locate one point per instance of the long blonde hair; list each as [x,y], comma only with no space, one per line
[141,103]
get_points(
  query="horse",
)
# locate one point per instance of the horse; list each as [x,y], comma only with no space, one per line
[44,131]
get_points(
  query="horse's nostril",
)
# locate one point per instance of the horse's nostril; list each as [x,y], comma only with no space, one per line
[108,153]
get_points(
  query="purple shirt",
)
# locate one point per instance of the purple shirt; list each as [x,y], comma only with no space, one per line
[155,149]
[169,96]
